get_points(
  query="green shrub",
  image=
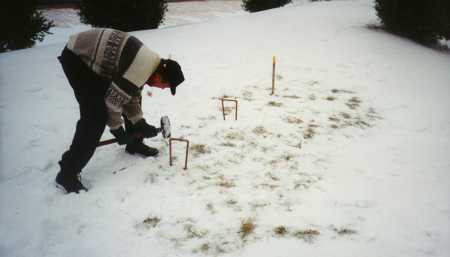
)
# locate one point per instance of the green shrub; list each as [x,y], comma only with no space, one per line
[21,25]
[420,20]
[125,15]
[260,5]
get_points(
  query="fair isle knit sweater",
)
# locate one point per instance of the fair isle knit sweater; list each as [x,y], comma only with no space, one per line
[125,61]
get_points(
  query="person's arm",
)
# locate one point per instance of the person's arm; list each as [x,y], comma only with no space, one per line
[136,64]
[133,110]
[115,99]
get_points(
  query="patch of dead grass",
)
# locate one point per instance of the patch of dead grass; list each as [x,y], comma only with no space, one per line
[280,231]
[372,114]
[291,96]
[259,204]
[274,178]
[353,103]
[204,248]
[338,91]
[228,144]
[362,124]
[231,202]
[308,235]
[247,227]
[260,130]
[288,156]
[199,149]
[224,182]
[310,131]
[267,185]
[274,104]
[344,231]
[293,120]
[285,158]
[312,82]
[194,232]
[334,119]
[345,115]
[304,183]
[151,221]
[235,136]
[247,95]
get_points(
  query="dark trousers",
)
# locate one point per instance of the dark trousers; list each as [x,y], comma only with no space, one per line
[89,89]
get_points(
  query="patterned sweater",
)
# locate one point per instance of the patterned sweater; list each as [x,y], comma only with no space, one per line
[125,61]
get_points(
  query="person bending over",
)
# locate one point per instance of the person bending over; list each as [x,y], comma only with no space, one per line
[107,70]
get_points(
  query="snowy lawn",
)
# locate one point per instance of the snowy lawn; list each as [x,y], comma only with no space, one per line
[348,158]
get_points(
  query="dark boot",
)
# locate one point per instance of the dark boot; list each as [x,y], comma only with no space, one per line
[70,183]
[142,149]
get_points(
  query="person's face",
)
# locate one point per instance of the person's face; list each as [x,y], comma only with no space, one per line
[157,81]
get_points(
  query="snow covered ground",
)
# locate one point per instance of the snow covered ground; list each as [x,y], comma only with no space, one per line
[348,158]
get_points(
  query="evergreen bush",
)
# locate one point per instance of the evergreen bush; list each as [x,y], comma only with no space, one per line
[21,25]
[260,5]
[422,21]
[125,15]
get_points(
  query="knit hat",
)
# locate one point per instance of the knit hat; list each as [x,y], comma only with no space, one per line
[173,74]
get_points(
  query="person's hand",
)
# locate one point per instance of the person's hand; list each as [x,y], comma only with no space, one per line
[122,137]
[147,130]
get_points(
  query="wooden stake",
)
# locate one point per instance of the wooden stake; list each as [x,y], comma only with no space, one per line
[235,104]
[187,150]
[273,75]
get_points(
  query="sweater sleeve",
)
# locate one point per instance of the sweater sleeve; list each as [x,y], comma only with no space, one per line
[136,64]
[118,102]
[133,110]
[115,99]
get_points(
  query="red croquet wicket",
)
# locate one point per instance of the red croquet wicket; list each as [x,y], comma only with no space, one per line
[223,107]
[170,150]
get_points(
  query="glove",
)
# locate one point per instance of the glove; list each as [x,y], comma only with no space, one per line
[146,129]
[122,137]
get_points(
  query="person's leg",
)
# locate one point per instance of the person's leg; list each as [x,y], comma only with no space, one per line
[88,132]
[85,140]
[89,91]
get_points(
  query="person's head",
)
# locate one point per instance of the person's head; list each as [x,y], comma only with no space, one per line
[168,74]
